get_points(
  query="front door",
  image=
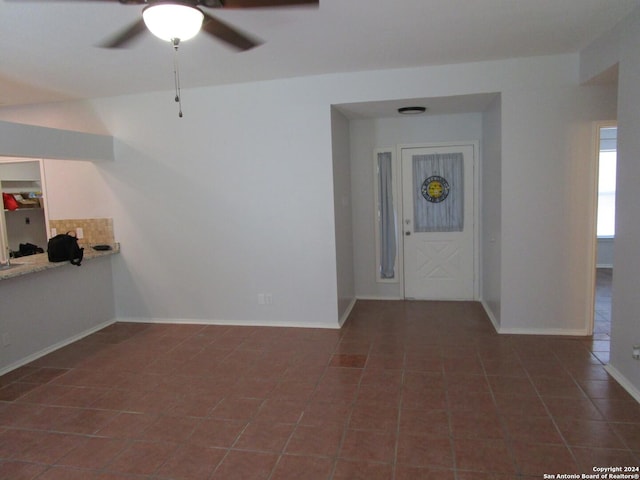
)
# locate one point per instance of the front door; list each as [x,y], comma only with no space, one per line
[438,222]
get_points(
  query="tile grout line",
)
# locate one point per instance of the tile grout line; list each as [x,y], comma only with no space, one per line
[394,466]
[250,343]
[452,443]
[503,425]
[551,416]
[605,420]
[301,416]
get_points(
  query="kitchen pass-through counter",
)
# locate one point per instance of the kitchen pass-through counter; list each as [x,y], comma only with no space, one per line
[45,305]
[40,262]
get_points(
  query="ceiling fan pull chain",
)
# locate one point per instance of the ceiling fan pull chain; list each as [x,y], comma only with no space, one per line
[176,76]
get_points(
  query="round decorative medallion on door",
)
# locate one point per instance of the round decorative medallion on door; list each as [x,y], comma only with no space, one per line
[435,189]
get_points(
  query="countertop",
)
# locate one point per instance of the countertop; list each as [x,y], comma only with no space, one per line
[40,262]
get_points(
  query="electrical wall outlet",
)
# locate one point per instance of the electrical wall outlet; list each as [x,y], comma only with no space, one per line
[636,352]
[54,232]
[6,341]
[265,299]
[79,233]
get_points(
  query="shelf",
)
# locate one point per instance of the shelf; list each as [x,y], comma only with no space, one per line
[29,209]
[18,186]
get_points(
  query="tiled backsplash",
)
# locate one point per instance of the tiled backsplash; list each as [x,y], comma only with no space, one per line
[95,230]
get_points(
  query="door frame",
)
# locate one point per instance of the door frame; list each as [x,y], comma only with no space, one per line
[476,162]
[592,245]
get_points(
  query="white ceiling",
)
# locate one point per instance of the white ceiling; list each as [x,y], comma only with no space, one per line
[434,106]
[48,50]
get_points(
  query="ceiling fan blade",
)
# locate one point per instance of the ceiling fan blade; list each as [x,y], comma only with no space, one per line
[126,36]
[266,3]
[228,34]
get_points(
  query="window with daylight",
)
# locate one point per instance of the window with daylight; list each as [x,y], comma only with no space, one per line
[607,182]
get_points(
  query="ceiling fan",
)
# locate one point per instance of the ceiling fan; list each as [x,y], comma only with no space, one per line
[169,11]
[179,20]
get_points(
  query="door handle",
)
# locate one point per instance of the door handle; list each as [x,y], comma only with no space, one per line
[407,233]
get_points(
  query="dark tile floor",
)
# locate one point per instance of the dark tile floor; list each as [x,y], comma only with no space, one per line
[406,390]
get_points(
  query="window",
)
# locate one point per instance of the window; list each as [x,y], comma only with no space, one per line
[607,182]
[386,216]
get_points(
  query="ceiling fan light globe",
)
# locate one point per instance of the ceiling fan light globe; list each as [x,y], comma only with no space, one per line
[170,21]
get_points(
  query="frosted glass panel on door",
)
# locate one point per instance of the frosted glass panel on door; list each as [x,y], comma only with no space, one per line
[438,192]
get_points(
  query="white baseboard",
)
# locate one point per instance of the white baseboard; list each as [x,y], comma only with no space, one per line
[582,332]
[54,347]
[345,315]
[489,312]
[376,297]
[623,381]
[237,323]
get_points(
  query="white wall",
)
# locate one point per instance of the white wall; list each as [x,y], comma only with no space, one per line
[44,310]
[342,212]
[625,311]
[231,201]
[369,134]
[237,198]
[546,196]
[76,189]
[491,211]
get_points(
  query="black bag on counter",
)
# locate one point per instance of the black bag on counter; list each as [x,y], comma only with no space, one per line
[65,248]
[27,249]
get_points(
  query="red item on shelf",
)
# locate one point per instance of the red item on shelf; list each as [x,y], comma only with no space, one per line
[9,201]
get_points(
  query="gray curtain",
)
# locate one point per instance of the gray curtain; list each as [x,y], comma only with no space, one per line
[444,211]
[387,216]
